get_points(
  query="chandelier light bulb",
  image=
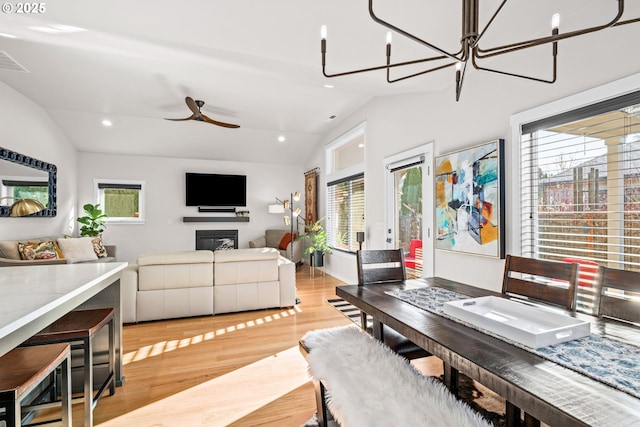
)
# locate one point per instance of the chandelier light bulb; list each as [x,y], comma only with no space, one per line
[458,66]
[323,32]
[555,21]
[388,37]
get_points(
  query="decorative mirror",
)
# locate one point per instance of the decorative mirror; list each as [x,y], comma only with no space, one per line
[27,185]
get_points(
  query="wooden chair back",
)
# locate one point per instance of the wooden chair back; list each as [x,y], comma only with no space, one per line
[551,282]
[620,295]
[380,266]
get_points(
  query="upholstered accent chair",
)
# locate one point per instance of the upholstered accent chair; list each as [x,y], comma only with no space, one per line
[281,240]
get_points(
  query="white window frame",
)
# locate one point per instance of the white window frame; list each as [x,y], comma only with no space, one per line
[598,94]
[99,197]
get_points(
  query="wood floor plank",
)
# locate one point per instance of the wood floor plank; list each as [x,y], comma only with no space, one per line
[241,369]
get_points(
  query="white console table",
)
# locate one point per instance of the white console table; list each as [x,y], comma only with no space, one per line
[32,297]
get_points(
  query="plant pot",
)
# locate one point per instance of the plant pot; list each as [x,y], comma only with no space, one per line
[317,259]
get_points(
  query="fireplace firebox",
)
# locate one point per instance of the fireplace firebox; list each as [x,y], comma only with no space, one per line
[216,240]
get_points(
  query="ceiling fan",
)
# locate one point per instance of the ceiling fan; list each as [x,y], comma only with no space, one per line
[195,107]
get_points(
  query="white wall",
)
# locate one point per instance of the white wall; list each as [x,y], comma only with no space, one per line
[27,129]
[164,229]
[395,124]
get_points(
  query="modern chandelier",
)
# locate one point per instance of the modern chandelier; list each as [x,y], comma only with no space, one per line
[469,45]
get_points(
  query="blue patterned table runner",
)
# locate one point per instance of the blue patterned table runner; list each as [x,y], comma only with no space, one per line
[611,362]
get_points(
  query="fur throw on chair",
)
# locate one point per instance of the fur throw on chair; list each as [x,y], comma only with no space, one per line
[368,385]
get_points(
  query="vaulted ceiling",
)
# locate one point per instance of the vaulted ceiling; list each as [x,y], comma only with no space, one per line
[254,62]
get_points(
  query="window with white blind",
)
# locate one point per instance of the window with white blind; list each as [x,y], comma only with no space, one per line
[122,201]
[345,208]
[345,189]
[580,186]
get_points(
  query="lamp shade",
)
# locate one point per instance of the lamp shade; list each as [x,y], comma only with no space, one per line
[276,208]
[360,236]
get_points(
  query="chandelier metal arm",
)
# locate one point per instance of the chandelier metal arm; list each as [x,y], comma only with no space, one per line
[323,49]
[460,80]
[440,67]
[408,35]
[499,50]
[522,76]
[398,79]
[495,14]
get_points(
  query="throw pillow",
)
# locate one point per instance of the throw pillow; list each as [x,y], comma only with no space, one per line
[284,242]
[38,250]
[77,249]
[286,239]
[98,247]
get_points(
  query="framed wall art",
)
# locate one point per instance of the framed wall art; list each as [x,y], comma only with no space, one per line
[470,200]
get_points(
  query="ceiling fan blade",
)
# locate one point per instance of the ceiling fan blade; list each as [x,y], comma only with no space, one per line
[192,106]
[181,120]
[215,122]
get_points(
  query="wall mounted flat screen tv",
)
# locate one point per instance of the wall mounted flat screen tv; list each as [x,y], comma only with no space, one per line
[205,189]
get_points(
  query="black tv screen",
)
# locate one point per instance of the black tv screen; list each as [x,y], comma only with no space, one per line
[204,189]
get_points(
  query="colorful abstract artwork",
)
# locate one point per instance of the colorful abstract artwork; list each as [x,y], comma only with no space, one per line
[470,200]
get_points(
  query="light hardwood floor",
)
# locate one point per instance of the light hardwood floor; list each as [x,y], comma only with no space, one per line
[236,370]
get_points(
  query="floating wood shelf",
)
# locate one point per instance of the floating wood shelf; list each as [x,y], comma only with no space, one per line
[215,219]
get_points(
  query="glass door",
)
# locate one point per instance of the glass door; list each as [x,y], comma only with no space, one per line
[407,212]
[409,208]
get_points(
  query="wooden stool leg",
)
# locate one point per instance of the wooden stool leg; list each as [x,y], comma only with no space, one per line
[112,357]
[88,382]
[65,385]
[14,415]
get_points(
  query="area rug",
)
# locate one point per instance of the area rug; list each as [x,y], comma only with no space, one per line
[490,405]
[348,310]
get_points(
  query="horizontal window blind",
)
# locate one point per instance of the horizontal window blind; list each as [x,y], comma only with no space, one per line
[345,212]
[580,190]
[111,186]
[16,183]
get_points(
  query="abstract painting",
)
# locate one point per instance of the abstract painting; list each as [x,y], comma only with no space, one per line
[470,200]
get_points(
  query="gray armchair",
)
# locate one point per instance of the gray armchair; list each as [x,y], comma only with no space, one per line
[272,239]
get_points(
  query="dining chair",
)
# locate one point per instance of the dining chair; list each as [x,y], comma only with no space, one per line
[546,281]
[620,295]
[550,282]
[386,266]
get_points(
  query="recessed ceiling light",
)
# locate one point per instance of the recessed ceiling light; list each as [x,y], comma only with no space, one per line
[107,123]
[9,36]
[329,86]
[281,138]
[361,145]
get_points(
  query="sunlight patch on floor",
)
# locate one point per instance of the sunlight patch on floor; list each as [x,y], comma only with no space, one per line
[225,399]
[161,347]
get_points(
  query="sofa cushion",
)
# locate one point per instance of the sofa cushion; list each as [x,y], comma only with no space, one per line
[38,250]
[175,276]
[251,254]
[78,249]
[177,257]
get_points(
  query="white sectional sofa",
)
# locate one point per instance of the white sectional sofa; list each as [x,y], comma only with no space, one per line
[165,285]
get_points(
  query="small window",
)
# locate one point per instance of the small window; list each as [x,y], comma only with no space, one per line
[121,201]
[345,189]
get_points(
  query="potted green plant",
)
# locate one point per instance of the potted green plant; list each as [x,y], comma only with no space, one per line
[93,222]
[317,241]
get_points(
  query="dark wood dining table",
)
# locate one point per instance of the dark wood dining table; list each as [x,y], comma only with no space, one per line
[553,394]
